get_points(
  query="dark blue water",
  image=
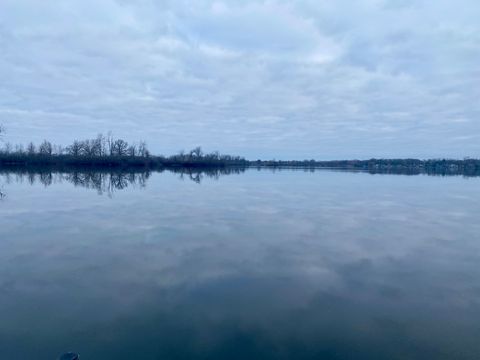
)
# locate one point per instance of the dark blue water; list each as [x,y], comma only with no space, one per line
[258,265]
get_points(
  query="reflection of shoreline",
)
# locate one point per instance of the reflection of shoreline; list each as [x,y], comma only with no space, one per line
[112,179]
[374,171]
[193,170]
[107,181]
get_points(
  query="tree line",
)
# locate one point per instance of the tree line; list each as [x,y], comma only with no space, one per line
[100,146]
[466,167]
[107,151]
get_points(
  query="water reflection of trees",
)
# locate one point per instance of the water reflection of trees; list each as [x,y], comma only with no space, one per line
[198,175]
[103,182]
[108,182]
[465,172]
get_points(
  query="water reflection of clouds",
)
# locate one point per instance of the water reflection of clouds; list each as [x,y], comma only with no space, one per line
[307,259]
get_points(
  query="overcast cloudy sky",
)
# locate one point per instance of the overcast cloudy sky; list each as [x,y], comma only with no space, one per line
[286,79]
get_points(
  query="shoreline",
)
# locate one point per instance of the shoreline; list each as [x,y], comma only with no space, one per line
[42,163]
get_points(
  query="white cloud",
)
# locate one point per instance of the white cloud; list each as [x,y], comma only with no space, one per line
[262,78]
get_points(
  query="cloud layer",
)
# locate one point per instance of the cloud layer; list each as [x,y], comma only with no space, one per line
[296,79]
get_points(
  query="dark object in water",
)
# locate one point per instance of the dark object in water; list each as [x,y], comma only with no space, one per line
[69,356]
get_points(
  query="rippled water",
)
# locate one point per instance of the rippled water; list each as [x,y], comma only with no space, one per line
[256,265]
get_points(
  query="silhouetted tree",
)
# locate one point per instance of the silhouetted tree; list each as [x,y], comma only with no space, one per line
[45,148]
[7,149]
[93,147]
[31,149]
[132,150]
[19,149]
[58,149]
[109,143]
[197,152]
[119,147]
[75,149]
[142,149]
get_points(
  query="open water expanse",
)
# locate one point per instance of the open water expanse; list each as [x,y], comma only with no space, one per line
[249,265]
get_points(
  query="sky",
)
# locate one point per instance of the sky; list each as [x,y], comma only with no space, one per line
[267,79]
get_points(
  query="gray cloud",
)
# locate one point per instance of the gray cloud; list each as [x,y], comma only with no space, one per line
[259,78]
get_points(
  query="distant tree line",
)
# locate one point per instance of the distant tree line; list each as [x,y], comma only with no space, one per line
[467,166]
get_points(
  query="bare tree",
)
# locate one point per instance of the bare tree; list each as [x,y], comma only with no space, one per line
[109,143]
[103,144]
[197,152]
[75,149]
[120,147]
[19,149]
[7,149]
[31,149]
[58,149]
[45,148]
[94,146]
[142,149]
[84,147]
[132,150]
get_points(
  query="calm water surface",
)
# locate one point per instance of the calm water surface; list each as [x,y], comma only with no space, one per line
[258,265]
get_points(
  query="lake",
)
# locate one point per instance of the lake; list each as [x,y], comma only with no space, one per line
[250,265]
